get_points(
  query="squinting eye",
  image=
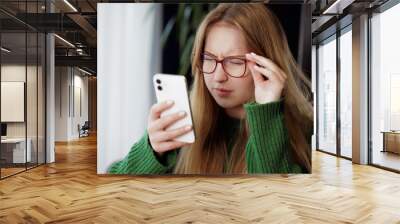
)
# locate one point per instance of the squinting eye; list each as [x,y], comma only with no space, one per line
[236,61]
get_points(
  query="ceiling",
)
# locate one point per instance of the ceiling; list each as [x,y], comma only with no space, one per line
[77,25]
[76,22]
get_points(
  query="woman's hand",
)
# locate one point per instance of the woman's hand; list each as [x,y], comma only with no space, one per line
[160,139]
[269,79]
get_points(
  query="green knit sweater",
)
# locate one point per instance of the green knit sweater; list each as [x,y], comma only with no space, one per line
[267,149]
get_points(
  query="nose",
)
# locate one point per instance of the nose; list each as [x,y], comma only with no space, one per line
[219,74]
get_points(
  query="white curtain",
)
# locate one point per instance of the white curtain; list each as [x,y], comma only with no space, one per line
[128,55]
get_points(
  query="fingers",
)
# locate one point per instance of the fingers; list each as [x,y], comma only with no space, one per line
[167,146]
[260,74]
[164,122]
[171,134]
[158,108]
[160,139]
[267,64]
[268,73]
[257,77]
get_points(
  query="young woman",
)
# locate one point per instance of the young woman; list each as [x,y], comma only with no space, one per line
[249,102]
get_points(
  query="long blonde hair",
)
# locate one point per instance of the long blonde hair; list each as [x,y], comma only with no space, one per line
[265,36]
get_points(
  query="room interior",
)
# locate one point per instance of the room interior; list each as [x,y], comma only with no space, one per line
[48,163]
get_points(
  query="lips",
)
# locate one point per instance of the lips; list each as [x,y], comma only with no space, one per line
[222,91]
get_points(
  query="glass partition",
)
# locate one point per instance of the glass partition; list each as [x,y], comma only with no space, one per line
[32,95]
[22,78]
[13,110]
[41,107]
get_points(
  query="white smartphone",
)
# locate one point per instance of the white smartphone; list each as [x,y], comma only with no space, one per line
[173,87]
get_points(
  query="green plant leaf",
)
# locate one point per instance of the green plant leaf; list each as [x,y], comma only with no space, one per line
[179,14]
[167,31]
[198,14]
[184,62]
[184,27]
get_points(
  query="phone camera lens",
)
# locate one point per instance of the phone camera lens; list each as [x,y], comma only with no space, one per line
[158,81]
[159,88]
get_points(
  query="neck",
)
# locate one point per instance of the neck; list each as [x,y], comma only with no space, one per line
[236,112]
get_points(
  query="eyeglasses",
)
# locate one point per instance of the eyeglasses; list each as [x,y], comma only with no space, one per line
[234,66]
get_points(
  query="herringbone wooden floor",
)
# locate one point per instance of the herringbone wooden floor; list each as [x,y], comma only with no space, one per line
[69,191]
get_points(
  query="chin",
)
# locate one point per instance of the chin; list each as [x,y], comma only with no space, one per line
[227,103]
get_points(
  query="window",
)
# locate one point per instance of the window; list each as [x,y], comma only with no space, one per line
[385,88]
[346,93]
[327,96]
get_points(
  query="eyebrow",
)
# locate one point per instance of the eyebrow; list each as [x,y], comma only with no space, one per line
[237,55]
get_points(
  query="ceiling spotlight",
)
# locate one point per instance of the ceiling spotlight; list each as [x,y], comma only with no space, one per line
[337,7]
[5,50]
[64,40]
[84,71]
[70,5]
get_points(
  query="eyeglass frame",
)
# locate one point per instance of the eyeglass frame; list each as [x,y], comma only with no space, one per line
[222,64]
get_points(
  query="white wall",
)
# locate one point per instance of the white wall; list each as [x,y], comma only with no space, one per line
[67,116]
[61,103]
[80,82]
[128,56]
